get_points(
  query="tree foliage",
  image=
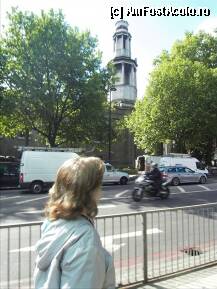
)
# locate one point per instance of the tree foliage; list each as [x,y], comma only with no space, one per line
[54,80]
[180,104]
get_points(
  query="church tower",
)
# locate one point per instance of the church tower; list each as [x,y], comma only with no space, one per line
[126,86]
[123,96]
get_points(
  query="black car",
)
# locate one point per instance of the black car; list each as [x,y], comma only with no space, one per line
[9,174]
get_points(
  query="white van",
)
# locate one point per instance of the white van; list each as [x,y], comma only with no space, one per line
[174,159]
[188,161]
[38,168]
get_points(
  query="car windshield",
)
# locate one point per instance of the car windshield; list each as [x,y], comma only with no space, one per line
[110,168]
[187,170]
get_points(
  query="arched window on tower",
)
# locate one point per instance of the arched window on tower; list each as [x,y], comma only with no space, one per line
[119,43]
[118,68]
[127,70]
[124,42]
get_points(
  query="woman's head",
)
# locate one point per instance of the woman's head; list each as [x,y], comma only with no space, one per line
[76,189]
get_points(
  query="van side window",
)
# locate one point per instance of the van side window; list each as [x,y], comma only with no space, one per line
[200,166]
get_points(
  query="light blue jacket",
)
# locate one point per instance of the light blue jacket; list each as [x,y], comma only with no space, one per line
[70,256]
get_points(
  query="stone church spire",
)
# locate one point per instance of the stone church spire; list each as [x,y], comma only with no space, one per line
[126,86]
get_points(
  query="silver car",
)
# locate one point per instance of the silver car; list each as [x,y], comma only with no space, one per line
[111,175]
[179,174]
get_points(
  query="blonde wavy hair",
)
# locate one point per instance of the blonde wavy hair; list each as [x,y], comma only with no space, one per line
[75,189]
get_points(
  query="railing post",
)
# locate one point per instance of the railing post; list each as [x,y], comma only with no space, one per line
[145,257]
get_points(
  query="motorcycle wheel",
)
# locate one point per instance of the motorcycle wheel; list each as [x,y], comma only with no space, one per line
[164,193]
[137,195]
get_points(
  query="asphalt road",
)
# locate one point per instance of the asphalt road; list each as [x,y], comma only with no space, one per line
[17,206]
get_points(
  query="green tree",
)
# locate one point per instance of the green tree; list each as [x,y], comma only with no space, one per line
[53,79]
[180,104]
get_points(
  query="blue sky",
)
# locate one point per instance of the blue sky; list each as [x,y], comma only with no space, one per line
[150,34]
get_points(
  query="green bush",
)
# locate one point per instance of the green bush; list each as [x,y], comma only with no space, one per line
[130,171]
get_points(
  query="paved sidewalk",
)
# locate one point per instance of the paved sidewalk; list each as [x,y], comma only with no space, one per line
[200,279]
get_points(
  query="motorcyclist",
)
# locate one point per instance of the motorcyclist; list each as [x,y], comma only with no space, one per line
[155,176]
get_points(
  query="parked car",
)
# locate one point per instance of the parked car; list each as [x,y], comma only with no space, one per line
[9,174]
[180,174]
[112,175]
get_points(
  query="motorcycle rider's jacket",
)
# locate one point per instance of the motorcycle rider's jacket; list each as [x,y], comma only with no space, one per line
[155,175]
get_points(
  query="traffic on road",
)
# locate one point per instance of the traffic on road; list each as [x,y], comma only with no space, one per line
[23,206]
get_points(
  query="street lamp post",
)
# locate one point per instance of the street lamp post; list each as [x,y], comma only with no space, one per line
[112,88]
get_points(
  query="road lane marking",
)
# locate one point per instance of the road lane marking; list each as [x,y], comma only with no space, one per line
[203,187]
[36,199]
[131,234]
[121,193]
[18,282]
[153,231]
[30,212]
[107,240]
[42,211]
[32,200]
[112,198]
[25,249]
[114,247]
[181,189]
[9,198]
[106,206]
[190,192]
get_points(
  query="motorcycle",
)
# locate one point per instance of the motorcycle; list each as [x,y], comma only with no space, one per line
[145,186]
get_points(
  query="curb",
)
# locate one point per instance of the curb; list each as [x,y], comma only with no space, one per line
[132,177]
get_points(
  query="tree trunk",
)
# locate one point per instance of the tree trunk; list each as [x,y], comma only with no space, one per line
[27,138]
[52,141]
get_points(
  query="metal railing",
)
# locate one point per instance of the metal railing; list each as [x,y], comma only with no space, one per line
[145,245]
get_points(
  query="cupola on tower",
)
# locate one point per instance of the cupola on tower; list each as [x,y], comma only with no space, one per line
[126,87]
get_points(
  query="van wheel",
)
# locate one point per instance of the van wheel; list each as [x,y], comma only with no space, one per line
[36,187]
[123,181]
[175,181]
[202,180]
